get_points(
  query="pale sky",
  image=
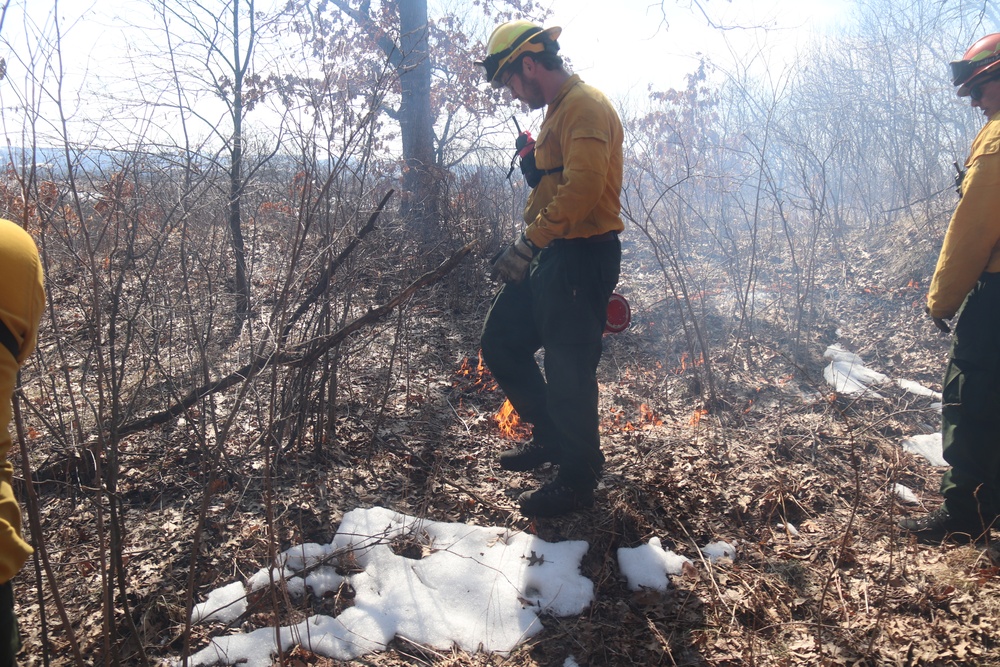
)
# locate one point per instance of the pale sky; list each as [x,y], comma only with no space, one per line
[623,50]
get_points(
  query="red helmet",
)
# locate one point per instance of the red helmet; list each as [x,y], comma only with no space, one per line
[980,62]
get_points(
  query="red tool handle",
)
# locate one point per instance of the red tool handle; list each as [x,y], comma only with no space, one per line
[524,144]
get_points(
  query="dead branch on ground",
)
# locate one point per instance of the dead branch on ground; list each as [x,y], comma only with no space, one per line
[303,354]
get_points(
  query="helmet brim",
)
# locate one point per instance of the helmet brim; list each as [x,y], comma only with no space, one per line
[493,64]
[967,72]
[989,72]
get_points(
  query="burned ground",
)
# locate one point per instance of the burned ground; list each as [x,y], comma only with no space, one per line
[798,478]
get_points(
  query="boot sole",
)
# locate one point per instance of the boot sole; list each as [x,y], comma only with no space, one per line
[521,467]
[523,463]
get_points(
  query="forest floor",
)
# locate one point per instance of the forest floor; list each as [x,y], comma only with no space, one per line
[779,446]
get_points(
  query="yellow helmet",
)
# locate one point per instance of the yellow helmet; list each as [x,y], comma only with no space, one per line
[512,39]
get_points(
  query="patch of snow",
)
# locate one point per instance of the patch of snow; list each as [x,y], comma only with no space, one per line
[905,494]
[838,353]
[717,550]
[321,578]
[927,446]
[847,373]
[477,588]
[223,604]
[917,389]
[785,527]
[647,566]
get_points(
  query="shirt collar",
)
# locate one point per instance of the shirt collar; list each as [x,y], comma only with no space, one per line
[564,89]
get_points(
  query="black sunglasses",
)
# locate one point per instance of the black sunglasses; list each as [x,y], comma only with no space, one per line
[976,91]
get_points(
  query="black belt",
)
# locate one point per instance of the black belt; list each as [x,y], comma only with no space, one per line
[8,340]
[600,238]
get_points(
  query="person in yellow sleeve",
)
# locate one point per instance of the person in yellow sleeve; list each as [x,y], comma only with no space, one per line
[966,282]
[21,302]
[558,273]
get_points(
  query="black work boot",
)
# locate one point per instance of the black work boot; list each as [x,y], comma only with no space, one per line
[527,456]
[993,551]
[555,498]
[941,525]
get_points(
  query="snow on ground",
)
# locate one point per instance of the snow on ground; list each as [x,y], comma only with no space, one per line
[717,550]
[786,528]
[905,494]
[847,373]
[224,604]
[918,389]
[477,588]
[649,565]
[927,446]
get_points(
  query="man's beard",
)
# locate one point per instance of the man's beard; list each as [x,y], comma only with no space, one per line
[533,96]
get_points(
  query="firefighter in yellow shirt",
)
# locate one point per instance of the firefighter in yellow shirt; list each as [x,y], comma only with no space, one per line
[966,282]
[559,273]
[21,302]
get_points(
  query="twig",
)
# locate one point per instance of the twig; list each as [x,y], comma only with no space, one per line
[300,355]
[324,280]
[35,523]
[846,537]
[458,416]
[475,497]
[195,549]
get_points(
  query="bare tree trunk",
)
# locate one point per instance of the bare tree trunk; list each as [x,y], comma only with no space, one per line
[421,181]
[420,203]
[242,283]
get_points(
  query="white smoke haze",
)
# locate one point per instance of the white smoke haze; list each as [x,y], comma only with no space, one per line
[789,176]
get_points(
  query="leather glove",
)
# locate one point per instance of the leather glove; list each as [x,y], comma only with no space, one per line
[512,264]
[939,322]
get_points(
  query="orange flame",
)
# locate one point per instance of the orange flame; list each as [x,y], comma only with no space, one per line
[478,377]
[685,362]
[618,420]
[649,417]
[510,423]
[698,414]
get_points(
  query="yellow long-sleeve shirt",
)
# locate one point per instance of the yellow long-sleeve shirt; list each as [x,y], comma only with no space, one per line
[972,242]
[583,134]
[22,298]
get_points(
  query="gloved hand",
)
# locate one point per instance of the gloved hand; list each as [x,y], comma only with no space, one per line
[942,325]
[939,322]
[512,264]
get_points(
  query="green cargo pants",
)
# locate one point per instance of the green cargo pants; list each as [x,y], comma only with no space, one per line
[970,424]
[10,638]
[561,308]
